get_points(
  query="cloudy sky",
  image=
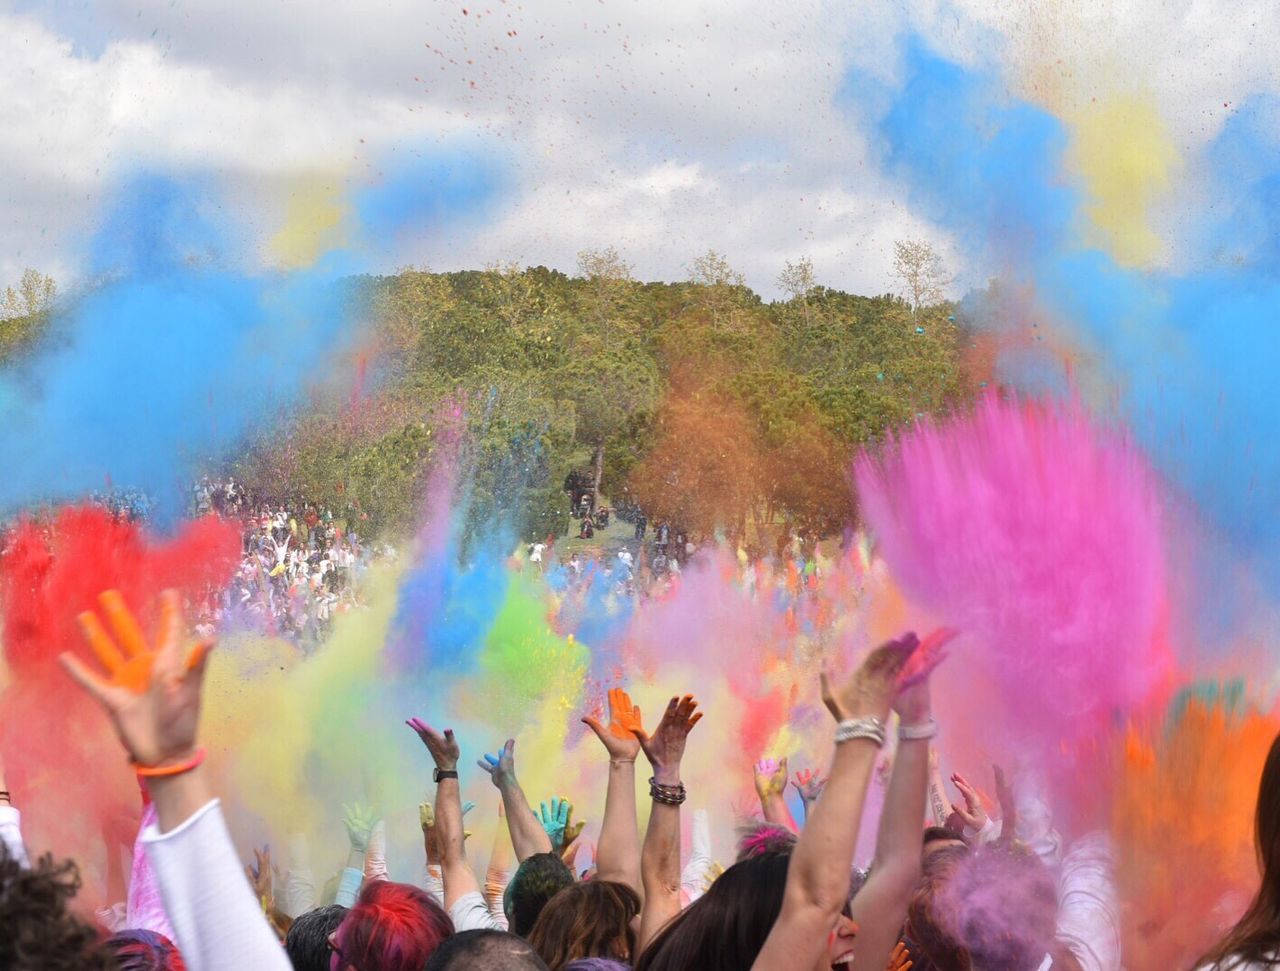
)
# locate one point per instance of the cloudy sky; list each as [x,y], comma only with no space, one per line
[663,129]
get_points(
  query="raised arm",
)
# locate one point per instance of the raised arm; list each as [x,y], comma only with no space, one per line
[618,852]
[880,907]
[771,786]
[153,699]
[818,877]
[660,857]
[527,835]
[809,784]
[459,878]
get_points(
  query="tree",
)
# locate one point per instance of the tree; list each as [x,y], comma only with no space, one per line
[711,269]
[919,268]
[25,311]
[34,296]
[796,279]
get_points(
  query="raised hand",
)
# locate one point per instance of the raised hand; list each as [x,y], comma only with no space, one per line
[874,686]
[443,748]
[770,777]
[928,656]
[262,876]
[501,767]
[899,959]
[619,738]
[665,747]
[572,831]
[151,696]
[555,821]
[809,783]
[973,812]
[359,821]
[913,704]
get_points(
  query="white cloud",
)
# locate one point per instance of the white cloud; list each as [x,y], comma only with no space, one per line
[663,129]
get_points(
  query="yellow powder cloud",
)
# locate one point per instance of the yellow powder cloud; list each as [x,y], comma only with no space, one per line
[1123,154]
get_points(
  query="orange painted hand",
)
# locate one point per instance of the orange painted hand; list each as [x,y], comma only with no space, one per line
[900,959]
[151,696]
[620,738]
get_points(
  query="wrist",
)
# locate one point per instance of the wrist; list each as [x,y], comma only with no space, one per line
[667,775]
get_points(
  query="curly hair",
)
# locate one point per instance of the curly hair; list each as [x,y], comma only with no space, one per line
[37,931]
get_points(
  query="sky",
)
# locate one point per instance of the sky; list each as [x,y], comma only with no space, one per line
[661,129]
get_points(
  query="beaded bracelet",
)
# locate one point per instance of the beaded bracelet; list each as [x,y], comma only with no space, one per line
[870,728]
[667,795]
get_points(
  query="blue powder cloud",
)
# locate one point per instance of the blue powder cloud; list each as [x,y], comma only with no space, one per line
[175,357]
[1193,357]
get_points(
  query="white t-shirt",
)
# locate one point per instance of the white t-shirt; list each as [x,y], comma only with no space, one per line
[470,913]
[535,552]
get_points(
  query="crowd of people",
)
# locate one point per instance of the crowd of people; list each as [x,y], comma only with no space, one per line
[952,886]
[300,564]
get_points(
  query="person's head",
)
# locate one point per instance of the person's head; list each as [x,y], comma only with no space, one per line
[392,927]
[941,838]
[1256,936]
[39,930]
[485,951]
[536,881]
[139,950]
[726,927]
[307,942]
[587,920]
[991,908]
[765,838]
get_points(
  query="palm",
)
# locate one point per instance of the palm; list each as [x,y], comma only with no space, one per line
[665,747]
[151,696]
[619,737]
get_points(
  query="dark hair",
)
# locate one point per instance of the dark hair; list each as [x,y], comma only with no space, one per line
[485,951]
[307,942]
[392,927]
[142,950]
[1256,935]
[726,927]
[536,881]
[39,932]
[941,834]
[587,920]
[996,908]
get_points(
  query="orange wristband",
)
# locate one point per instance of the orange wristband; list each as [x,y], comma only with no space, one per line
[159,771]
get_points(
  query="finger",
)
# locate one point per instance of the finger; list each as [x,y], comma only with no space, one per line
[448,735]
[91,683]
[635,715]
[100,641]
[695,719]
[169,632]
[123,623]
[198,659]
[595,726]
[509,750]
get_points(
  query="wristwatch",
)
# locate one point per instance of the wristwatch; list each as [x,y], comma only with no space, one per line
[446,774]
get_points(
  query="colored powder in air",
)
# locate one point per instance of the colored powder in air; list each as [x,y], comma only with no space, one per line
[1188,358]
[1182,826]
[1038,534]
[65,766]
